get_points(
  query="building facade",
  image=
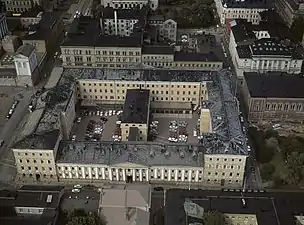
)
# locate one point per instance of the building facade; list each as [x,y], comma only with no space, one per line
[267,104]
[166,29]
[248,10]
[289,9]
[130,4]
[3,26]
[18,6]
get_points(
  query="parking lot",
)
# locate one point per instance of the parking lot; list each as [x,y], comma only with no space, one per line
[182,126]
[87,199]
[96,125]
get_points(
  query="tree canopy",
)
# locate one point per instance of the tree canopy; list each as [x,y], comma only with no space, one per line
[80,217]
[215,218]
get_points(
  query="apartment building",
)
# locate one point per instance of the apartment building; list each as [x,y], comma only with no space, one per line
[211,164]
[166,28]
[80,49]
[289,9]
[260,48]
[241,9]
[122,22]
[274,97]
[19,6]
[130,4]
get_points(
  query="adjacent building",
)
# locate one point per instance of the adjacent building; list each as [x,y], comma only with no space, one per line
[122,22]
[16,6]
[274,97]
[219,160]
[262,48]
[289,9]
[240,207]
[127,4]
[82,49]
[241,9]
[166,28]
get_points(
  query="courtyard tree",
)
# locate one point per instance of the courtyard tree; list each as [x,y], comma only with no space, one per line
[215,218]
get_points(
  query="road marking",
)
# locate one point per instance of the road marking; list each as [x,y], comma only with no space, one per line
[4,164]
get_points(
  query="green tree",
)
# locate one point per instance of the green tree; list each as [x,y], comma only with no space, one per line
[215,218]
[267,171]
[295,163]
[80,217]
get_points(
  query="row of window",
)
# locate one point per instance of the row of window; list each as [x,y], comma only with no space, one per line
[98,52]
[225,159]
[34,154]
[36,168]
[34,161]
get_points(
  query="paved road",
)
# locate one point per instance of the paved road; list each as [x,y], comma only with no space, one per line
[87,199]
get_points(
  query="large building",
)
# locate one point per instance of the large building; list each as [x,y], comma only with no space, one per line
[241,9]
[166,28]
[122,22]
[127,4]
[289,9]
[16,6]
[240,207]
[219,159]
[85,46]
[274,97]
[264,47]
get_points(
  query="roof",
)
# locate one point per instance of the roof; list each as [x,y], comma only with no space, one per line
[242,32]
[41,188]
[275,208]
[268,46]
[126,14]
[274,85]
[194,57]
[25,50]
[157,50]
[146,154]
[258,4]
[33,12]
[85,31]
[45,140]
[136,107]
[133,134]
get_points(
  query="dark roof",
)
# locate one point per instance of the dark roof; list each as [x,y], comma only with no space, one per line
[133,134]
[274,85]
[85,31]
[136,107]
[156,49]
[193,57]
[275,208]
[127,14]
[25,50]
[243,51]
[260,4]
[33,12]
[242,32]
[268,46]
[46,140]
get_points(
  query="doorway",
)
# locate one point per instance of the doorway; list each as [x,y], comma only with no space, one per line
[129,179]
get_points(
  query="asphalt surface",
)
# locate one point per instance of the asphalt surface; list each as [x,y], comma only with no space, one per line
[87,199]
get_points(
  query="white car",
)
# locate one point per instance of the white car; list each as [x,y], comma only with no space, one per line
[195,133]
[110,113]
[77,186]
[78,119]
[75,190]
[101,113]
[97,113]
[74,137]
[106,113]
[248,148]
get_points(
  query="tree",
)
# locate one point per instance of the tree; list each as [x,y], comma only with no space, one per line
[80,217]
[215,218]
[295,163]
[267,171]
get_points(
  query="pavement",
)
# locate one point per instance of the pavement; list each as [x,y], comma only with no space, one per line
[87,199]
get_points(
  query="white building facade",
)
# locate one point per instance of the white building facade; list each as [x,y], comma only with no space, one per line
[240,9]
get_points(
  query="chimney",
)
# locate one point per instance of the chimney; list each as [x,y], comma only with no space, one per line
[115,21]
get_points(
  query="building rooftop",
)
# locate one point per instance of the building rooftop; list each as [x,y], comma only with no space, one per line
[147,154]
[242,31]
[46,140]
[124,14]
[258,4]
[157,50]
[25,50]
[33,12]
[136,107]
[274,85]
[193,57]
[276,208]
[85,31]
